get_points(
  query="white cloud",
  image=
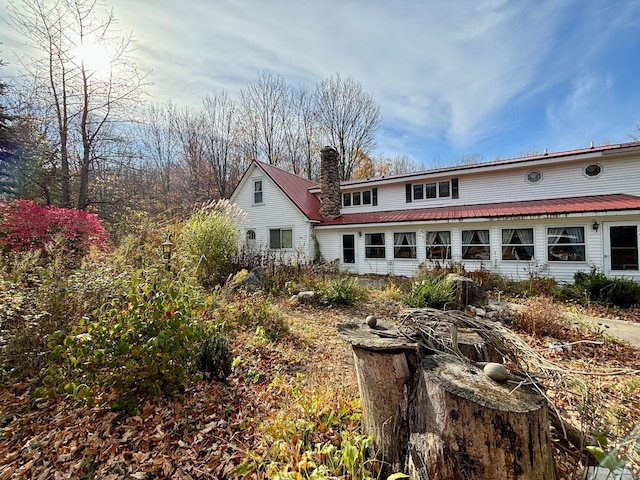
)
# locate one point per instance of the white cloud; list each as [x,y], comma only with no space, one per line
[450,71]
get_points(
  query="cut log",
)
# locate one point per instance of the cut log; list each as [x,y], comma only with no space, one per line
[382,380]
[466,426]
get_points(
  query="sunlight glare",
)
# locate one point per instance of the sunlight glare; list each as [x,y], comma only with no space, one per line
[95,57]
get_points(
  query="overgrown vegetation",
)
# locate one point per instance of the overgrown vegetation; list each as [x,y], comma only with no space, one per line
[209,238]
[595,286]
[119,339]
[434,292]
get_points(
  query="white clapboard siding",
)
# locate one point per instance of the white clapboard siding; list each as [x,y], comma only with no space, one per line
[490,186]
[276,211]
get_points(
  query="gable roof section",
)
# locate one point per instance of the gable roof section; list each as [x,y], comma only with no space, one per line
[296,189]
[595,204]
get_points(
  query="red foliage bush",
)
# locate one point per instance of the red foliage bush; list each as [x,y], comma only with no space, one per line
[25,225]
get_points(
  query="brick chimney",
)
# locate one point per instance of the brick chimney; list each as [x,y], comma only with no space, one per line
[329,183]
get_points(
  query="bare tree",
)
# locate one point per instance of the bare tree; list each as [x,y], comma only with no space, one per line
[263,104]
[83,94]
[221,141]
[349,119]
[159,147]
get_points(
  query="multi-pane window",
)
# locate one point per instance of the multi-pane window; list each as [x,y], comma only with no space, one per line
[280,238]
[438,245]
[364,197]
[565,244]
[374,245]
[257,191]
[404,245]
[517,244]
[475,245]
[442,189]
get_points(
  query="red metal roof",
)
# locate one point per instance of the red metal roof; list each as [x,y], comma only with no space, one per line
[595,204]
[296,188]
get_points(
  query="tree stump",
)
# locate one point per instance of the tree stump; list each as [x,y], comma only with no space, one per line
[465,425]
[438,416]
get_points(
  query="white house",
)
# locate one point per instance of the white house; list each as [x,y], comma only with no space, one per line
[551,214]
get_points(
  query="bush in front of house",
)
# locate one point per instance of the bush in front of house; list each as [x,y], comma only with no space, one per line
[595,286]
[150,340]
[434,292]
[209,238]
[342,292]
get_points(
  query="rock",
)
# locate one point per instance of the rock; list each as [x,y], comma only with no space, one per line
[496,371]
[306,296]
[294,298]
[466,291]
[481,312]
[372,321]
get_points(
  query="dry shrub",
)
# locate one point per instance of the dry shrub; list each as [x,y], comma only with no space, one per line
[542,317]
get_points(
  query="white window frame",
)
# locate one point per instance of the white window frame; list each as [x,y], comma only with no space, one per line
[280,239]
[413,248]
[369,247]
[562,251]
[466,246]
[257,181]
[446,247]
[513,252]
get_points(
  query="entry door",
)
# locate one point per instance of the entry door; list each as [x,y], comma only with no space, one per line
[621,247]
[349,249]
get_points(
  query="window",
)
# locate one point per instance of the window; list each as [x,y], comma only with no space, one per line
[251,239]
[534,177]
[624,247]
[404,245]
[374,245]
[593,170]
[444,189]
[421,191]
[565,244]
[280,238]
[475,245]
[257,191]
[364,197]
[349,248]
[517,244]
[438,245]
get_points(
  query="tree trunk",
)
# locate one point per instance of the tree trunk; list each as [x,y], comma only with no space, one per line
[465,425]
[382,379]
[439,417]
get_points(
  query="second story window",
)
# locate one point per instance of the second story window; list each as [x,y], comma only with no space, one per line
[363,197]
[257,191]
[425,191]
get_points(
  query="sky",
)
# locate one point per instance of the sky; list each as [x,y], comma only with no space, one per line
[453,79]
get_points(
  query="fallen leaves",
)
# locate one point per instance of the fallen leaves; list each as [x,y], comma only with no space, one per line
[214,426]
